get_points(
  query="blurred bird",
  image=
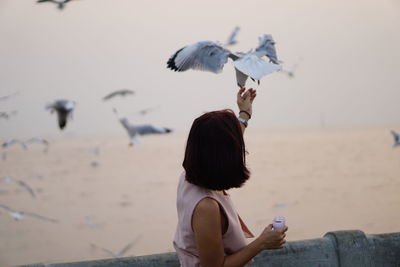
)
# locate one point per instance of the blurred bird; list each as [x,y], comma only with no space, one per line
[39,140]
[6,97]
[19,215]
[122,92]
[60,3]
[21,183]
[145,111]
[121,252]
[91,150]
[11,142]
[211,56]
[291,72]
[232,38]
[135,131]
[6,115]
[64,110]
[396,137]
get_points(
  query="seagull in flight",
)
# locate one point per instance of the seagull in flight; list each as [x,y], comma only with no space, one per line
[290,72]
[121,252]
[60,3]
[212,56]
[64,110]
[39,140]
[232,37]
[21,183]
[6,115]
[11,142]
[396,137]
[19,215]
[122,92]
[135,131]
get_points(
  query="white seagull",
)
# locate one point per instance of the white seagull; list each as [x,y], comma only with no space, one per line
[121,252]
[135,131]
[19,215]
[11,142]
[64,110]
[122,92]
[396,137]
[211,56]
[60,3]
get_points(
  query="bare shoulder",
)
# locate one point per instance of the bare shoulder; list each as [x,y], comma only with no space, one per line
[207,206]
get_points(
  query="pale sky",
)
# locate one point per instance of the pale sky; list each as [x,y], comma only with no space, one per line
[348,75]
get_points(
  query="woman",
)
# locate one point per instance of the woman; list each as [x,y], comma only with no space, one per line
[209,230]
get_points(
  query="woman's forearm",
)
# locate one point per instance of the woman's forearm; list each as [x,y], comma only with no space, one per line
[243,256]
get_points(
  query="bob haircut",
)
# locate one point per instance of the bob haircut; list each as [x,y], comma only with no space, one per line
[215,156]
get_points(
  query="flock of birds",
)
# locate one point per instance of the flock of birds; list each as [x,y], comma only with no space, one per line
[203,55]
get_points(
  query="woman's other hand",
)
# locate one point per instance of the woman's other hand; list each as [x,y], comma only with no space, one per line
[245,99]
[272,239]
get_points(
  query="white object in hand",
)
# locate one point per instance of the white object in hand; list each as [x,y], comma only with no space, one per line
[278,222]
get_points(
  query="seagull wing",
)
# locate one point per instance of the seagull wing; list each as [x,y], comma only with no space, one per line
[396,136]
[37,140]
[150,129]
[26,187]
[40,217]
[255,67]
[241,78]
[110,95]
[6,208]
[118,92]
[266,47]
[105,250]
[204,55]
[129,246]
[232,38]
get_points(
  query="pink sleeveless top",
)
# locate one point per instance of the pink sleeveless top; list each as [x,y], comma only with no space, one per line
[188,196]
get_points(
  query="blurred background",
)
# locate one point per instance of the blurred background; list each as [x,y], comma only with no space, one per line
[326,130]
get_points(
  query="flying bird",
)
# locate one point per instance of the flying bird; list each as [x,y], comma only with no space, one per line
[211,56]
[291,72]
[145,111]
[60,3]
[19,215]
[232,37]
[64,110]
[39,140]
[121,252]
[6,97]
[122,92]
[20,183]
[11,142]
[396,137]
[135,131]
[6,115]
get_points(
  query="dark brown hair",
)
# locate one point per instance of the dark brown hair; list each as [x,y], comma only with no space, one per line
[215,156]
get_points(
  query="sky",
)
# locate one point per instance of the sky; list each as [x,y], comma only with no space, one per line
[347,53]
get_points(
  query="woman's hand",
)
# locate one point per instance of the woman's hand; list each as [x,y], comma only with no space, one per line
[245,99]
[272,239]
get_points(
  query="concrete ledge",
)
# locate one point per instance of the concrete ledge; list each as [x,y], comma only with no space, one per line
[336,249]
